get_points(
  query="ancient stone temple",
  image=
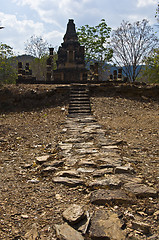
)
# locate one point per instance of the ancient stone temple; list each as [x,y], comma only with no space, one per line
[70,63]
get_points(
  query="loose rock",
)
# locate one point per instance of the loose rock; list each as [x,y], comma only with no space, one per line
[65,232]
[101,197]
[106,225]
[74,214]
[140,190]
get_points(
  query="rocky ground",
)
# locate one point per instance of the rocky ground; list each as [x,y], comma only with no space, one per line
[31,202]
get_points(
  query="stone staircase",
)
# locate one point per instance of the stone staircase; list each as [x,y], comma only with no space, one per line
[79,100]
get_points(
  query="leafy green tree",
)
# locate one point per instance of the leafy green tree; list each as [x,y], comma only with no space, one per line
[95,39]
[151,71]
[132,43]
[8,72]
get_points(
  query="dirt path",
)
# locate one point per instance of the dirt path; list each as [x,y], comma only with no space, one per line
[28,198]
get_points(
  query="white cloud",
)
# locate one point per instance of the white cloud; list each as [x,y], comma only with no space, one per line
[144,3]
[16,32]
[48,18]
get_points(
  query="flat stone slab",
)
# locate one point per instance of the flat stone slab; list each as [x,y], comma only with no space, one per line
[109,182]
[85,170]
[56,163]
[140,190]
[140,226]
[102,172]
[86,150]
[124,169]
[42,159]
[48,170]
[101,197]
[108,162]
[72,182]
[66,232]
[106,225]
[74,214]
[69,174]
[87,163]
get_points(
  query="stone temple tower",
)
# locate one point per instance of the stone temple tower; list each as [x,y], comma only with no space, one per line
[71,62]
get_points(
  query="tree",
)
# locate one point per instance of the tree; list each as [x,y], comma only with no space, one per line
[96,42]
[8,72]
[131,44]
[36,46]
[157,14]
[151,71]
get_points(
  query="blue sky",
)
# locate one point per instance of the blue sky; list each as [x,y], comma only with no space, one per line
[48,18]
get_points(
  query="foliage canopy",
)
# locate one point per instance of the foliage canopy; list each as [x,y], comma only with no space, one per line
[131,44]
[96,42]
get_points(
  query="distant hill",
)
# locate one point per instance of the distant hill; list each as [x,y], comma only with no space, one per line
[25,58]
[21,58]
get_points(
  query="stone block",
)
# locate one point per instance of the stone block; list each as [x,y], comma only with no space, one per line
[106,225]
[66,232]
[74,214]
[140,190]
[101,197]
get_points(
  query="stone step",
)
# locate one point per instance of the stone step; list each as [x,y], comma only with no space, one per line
[79,105]
[79,108]
[79,111]
[79,98]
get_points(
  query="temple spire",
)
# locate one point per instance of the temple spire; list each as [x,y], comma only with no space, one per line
[71,34]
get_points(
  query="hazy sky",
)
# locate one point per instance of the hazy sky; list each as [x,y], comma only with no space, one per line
[48,18]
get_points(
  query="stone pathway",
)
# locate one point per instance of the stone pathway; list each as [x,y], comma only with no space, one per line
[91,159]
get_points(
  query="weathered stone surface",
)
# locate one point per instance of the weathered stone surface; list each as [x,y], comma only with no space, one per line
[125,178]
[68,181]
[107,182]
[69,173]
[65,146]
[87,163]
[109,162]
[102,172]
[43,159]
[101,197]
[74,214]
[33,233]
[65,232]
[82,226]
[56,163]
[124,169]
[140,190]
[87,151]
[106,225]
[143,227]
[48,170]
[85,170]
